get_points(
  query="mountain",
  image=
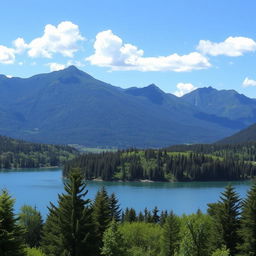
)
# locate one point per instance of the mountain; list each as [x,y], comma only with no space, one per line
[72,107]
[224,104]
[244,136]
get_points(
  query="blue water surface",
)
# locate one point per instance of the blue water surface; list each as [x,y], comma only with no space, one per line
[38,187]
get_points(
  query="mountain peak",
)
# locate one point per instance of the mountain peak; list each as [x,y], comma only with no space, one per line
[72,68]
[151,92]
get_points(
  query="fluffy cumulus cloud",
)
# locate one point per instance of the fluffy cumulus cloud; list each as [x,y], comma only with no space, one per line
[61,39]
[184,88]
[249,82]
[56,66]
[110,51]
[7,55]
[19,45]
[232,46]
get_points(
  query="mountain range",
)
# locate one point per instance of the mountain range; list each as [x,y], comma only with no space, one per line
[71,107]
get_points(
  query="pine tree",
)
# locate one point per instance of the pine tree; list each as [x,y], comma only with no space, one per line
[171,235]
[248,224]
[113,242]
[51,242]
[226,215]
[115,210]
[155,216]
[72,219]
[11,234]
[101,215]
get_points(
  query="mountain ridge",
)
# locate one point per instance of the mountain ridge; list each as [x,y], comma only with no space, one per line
[72,107]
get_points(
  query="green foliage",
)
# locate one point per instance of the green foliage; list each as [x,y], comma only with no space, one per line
[21,154]
[71,221]
[102,214]
[113,242]
[34,252]
[51,241]
[196,235]
[191,163]
[142,238]
[171,236]
[248,223]
[31,221]
[226,215]
[115,210]
[221,252]
[11,234]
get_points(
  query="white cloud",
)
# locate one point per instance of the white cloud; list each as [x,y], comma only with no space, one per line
[184,88]
[110,51]
[62,39]
[20,45]
[75,63]
[232,46]
[249,82]
[56,66]
[7,55]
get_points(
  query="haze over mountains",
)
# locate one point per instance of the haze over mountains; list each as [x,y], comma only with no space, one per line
[72,107]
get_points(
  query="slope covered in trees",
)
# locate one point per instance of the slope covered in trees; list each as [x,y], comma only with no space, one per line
[245,135]
[21,154]
[177,163]
[78,226]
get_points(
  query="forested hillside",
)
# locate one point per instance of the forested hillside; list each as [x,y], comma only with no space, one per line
[21,154]
[246,135]
[177,163]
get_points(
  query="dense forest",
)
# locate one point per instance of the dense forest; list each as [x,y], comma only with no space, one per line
[176,163]
[78,226]
[21,154]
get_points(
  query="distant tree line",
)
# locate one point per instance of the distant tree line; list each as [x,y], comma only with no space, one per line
[21,154]
[77,226]
[242,151]
[188,163]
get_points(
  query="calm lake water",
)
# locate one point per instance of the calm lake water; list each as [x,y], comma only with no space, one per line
[39,187]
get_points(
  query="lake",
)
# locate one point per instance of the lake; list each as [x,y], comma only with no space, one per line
[37,187]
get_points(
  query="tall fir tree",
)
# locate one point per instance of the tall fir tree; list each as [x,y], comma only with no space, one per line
[72,219]
[226,214]
[115,210]
[51,242]
[11,234]
[248,224]
[101,215]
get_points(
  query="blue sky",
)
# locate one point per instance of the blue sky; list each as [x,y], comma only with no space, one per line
[179,43]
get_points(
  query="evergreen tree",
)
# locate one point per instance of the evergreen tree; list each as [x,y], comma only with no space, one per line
[11,234]
[113,242]
[51,242]
[31,220]
[72,218]
[115,210]
[155,216]
[226,215]
[171,235]
[248,224]
[101,215]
